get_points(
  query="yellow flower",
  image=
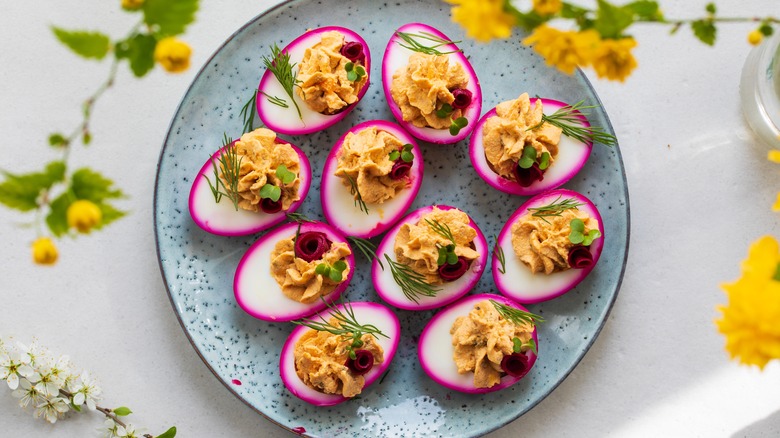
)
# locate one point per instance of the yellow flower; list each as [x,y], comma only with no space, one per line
[774,156]
[44,252]
[173,54]
[751,320]
[483,19]
[613,59]
[776,206]
[755,37]
[548,7]
[564,50]
[83,215]
[132,5]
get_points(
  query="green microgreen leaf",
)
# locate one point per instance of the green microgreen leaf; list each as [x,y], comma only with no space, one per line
[394,155]
[544,161]
[270,191]
[170,433]
[352,354]
[322,269]
[335,275]
[576,237]
[94,45]
[577,225]
[528,157]
[349,66]
[532,345]
[452,258]
[517,345]
[590,237]
[457,125]
[285,175]
[340,265]
[442,258]
[352,76]
[407,147]
[360,71]
[122,411]
[407,156]
[445,111]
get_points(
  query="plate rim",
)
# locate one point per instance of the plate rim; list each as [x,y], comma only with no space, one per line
[579,74]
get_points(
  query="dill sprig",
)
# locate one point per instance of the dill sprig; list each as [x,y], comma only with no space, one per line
[346,326]
[498,252]
[441,229]
[515,315]
[353,189]
[412,43]
[279,65]
[556,208]
[412,283]
[366,247]
[298,217]
[278,101]
[567,118]
[248,113]
[229,167]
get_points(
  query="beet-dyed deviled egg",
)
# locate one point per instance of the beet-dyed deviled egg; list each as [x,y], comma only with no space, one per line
[430,86]
[293,271]
[314,82]
[480,344]
[335,355]
[371,177]
[549,245]
[514,150]
[249,185]
[434,256]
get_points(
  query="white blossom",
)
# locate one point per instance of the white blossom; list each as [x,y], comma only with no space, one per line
[12,366]
[51,409]
[46,380]
[109,428]
[28,394]
[85,390]
[31,354]
[129,432]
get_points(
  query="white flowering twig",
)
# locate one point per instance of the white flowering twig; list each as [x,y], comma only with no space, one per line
[53,387]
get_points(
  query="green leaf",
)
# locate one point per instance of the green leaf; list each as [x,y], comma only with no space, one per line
[57,139]
[525,162]
[91,185]
[530,152]
[544,161]
[57,219]
[352,76]
[611,20]
[645,9]
[452,258]
[705,31]
[394,155]
[528,21]
[360,71]
[454,129]
[335,275]
[517,345]
[349,66]
[766,29]
[572,11]
[590,237]
[285,175]
[169,17]
[110,214]
[445,111]
[711,8]
[93,45]
[322,269]
[407,147]
[139,51]
[461,122]
[442,259]
[170,433]
[340,265]
[86,138]
[270,191]
[122,411]
[407,156]
[532,344]
[577,225]
[21,191]
[576,237]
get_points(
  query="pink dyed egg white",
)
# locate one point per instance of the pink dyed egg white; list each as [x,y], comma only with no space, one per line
[397,57]
[391,292]
[435,350]
[519,283]
[365,313]
[287,120]
[259,294]
[572,155]
[222,218]
[338,203]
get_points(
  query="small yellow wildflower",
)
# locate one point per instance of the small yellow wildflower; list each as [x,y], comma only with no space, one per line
[564,50]
[751,320]
[613,59]
[44,252]
[83,215]
[774,156]
[755,37]
[483,19]
[548,7]
[132,5]
[173,54]
[776,206]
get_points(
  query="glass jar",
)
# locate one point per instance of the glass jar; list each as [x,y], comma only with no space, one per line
[759,90]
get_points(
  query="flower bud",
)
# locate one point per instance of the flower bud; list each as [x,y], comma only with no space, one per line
[173,54]
[44,252]
[83,215]
[132,5]
[755,37]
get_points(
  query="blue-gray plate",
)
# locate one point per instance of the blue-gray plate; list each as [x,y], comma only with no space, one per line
[243,352]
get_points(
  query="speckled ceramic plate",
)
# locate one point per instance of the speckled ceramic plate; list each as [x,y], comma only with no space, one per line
[243,352]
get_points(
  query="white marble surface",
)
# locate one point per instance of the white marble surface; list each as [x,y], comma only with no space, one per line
[700,187]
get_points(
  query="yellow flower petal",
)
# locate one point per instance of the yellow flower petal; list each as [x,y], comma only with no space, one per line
[83,215]
[483,20]
[44,252]
[774,156]
[173,54]
[776,206]
[613,59]
[564,50]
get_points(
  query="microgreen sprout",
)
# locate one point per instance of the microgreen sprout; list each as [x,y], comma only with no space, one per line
[279,65]
[568,119]
[515,315]
[270,191]
[556,208]
[446,255]
[578,235]
[498,252]
[228,166]
[457,125]
[248,113]
[518,345]
[284,174]
[353,189]
[366,247]
[335,272]
[531,156]
[419,42]
[278,101]
[346,326]
[404,154]
[411,282]
[354,72]
[445,111]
